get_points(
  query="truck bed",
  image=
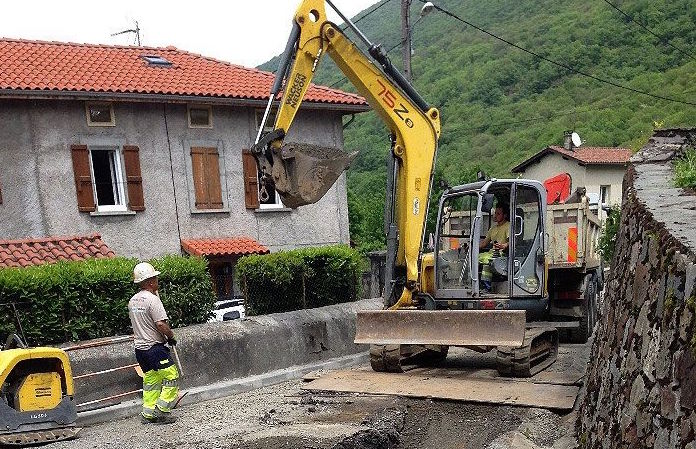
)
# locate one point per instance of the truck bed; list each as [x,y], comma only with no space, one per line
[573,233]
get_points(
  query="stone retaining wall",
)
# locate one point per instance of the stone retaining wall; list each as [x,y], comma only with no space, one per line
[641,379]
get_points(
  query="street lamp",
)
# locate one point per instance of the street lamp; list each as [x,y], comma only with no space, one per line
[427,7]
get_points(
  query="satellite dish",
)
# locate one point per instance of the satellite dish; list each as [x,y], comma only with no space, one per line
[427,7]
[575,137]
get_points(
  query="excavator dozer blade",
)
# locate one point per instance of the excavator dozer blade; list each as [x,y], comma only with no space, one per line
[441,327]
[303,173]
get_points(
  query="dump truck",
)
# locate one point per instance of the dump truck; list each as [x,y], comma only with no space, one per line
[576,275]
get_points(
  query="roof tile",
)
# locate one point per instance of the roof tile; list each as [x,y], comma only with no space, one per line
[238,246]
[584,155]
[47,66]
[37,251]
[597,155]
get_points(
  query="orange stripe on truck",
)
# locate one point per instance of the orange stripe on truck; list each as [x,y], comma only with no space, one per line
[573,244]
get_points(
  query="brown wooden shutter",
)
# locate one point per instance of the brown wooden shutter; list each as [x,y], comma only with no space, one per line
[213,176]
[199,184]
[206,178]
[83,178]
[251,180]
[134,180]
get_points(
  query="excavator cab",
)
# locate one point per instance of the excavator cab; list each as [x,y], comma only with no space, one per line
[476,277]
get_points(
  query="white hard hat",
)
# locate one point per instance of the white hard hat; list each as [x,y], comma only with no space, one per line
[143,271]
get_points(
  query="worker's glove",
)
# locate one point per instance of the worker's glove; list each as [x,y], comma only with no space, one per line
[171,341]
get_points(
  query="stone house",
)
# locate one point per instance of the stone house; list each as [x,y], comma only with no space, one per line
[599,169]
[148,147]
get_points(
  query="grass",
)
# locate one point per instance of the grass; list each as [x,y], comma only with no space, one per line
[685,170]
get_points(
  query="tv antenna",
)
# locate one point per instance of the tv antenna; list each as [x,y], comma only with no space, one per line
[135,31]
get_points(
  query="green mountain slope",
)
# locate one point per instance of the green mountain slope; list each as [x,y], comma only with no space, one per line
[499,104]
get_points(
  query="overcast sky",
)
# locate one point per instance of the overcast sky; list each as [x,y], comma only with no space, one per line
[242,32]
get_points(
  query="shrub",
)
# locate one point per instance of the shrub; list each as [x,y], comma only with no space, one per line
[685,170]
[298,279]
[607,240]
[70,301]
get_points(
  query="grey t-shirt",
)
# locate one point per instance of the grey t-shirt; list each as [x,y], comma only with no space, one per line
[144,310]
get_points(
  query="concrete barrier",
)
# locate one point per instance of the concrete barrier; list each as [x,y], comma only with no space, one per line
[214,353]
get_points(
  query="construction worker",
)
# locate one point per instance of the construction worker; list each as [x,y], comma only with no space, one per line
[499,235]
[151,330]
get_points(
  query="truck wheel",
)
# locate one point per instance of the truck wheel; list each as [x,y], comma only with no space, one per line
[582,334]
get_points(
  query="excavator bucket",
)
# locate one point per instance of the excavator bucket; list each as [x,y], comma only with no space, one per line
[441,327]
[303,173]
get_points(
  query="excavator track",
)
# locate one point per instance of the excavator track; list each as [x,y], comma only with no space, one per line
[391,358]
[39,436]
[538,352]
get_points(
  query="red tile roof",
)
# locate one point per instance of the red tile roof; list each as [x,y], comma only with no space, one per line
[51,67]
[584,155]
[223,247]
[37,251]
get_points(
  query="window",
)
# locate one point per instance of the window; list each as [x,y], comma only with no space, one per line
[107,178]
[200,116]
[157,60]
[100,114]
[205,166]
[604,195]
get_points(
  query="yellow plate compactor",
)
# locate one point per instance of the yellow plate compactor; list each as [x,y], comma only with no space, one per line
[36,395]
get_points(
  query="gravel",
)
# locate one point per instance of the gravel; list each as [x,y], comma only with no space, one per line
[285,416]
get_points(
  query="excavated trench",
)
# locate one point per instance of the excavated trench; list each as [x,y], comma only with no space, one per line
[417,424]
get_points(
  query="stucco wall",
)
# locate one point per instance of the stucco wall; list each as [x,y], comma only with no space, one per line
[590,176]
[39,191]
[641,378]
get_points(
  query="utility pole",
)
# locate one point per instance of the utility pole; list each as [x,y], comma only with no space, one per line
[406,39]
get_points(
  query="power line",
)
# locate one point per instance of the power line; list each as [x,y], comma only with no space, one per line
[369,12]
[559,64]
[534,119]
[662,39]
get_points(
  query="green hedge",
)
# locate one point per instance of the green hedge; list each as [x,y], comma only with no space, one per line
[70,301]
[299,279]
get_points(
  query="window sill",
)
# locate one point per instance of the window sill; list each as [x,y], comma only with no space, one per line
[272,209]
[225,210]
[111,213]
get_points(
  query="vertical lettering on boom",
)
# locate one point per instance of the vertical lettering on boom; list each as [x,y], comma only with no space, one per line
[389,98]
[295,91]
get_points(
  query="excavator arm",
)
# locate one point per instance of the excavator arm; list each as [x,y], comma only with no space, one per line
[302,174]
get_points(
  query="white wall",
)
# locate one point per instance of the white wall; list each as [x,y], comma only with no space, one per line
[592,177]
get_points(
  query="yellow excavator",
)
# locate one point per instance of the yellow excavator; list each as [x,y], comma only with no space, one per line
[36,394]
[433,300]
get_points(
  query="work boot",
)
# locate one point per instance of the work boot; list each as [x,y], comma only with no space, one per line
[165,419]
[148,419]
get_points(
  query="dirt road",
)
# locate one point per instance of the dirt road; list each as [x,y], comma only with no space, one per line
[285,416]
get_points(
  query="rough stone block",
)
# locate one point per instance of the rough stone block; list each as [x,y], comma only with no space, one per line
[662,439]
[690,281]
[686,429]
[685,369]
[668,402]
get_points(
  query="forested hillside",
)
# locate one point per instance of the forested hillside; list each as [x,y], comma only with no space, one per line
[500,104]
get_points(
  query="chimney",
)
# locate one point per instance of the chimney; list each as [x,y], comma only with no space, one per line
[568,140]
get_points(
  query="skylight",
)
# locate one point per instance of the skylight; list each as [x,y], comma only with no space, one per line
[156,60]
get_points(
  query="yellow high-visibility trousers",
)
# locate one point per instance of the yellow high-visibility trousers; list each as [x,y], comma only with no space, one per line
[160,390]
